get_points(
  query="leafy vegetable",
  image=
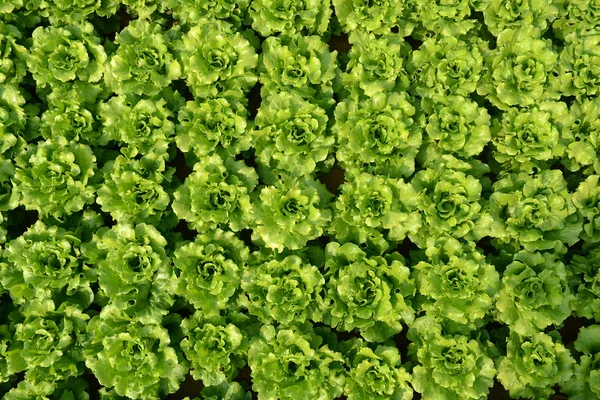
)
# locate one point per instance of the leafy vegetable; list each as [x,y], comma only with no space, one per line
[295,363]
[533,364]
[371,294]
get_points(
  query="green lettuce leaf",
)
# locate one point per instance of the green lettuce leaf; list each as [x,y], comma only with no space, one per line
[137,190]
[533,138]
[535,211]
[215,348]
[213,125]
[534,293]
[301,65]
[377,64]
[450,365]
[46,263]
[584,383]
[55,180]
[519,70]
[135,359]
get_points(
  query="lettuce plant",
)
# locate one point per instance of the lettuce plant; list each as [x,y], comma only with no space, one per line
[378,17]
[582,151]
[143,63]
[295,363]
[55,180]
[134,189]
[504,15]
[458,126]
[46,263]
[209,269]
[214,346]
[51,341]
[584,282]
[369,203]
[225,65]
[65,54]
[216,194]
[213,125]
[535,211]
[284,290]
[446,66]
[290,213]
[66,11]
[375,372]
[578,65]
[145,126]
[376,65]
[578,15]
[455,282]
[534,293]
[71,115]
[519,70]
[225,391]
[533,364]
[370,293]
[288,17]
[9,198]
[587,200]
[189,12]
[445,18]
[378,135]
[134,271]
[449,364]
[13,57]
[135,359]
[290,136]
[533,138]
[71,388]
[450,201]
[584,382]
[299,64]
[18,121]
